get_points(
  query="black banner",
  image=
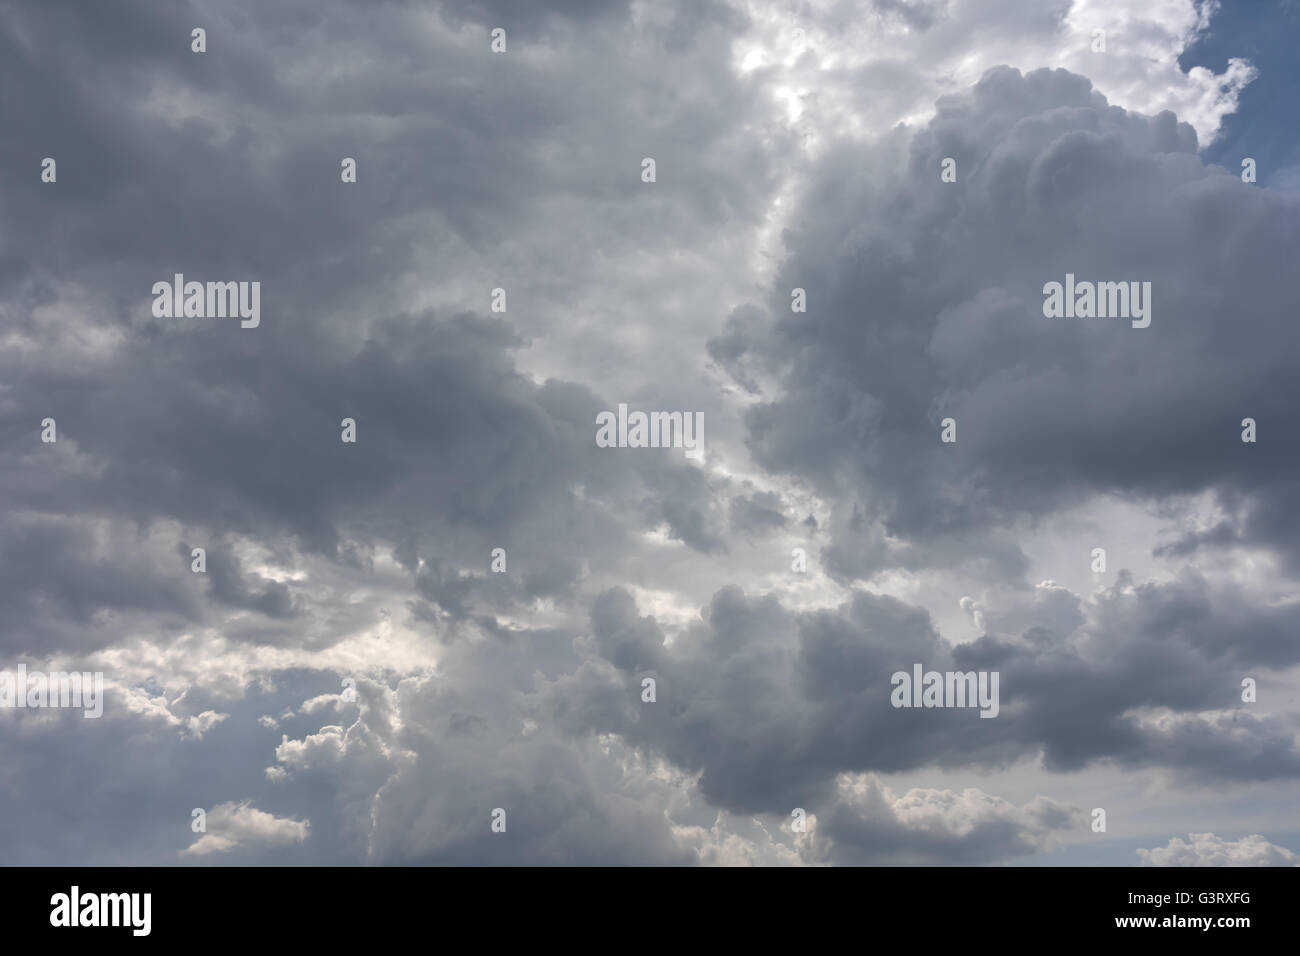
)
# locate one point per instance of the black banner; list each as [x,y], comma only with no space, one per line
[1151,906]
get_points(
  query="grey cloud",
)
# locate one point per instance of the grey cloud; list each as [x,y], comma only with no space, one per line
[758,514]
[812,689]
[869,826]
[475,433]
[939,314]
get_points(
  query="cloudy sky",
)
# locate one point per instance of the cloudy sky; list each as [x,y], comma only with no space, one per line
[348,680]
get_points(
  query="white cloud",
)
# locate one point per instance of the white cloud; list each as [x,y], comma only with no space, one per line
[231,825]
[1206,849]
[868,66]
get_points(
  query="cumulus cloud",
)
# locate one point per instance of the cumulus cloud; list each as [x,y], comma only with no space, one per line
[784,160]
[928,304]
[231,825]
[769,705]
[855,67]
[1206,849]
[870,825]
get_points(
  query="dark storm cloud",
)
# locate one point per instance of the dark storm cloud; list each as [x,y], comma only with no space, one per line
[925,302]
[228,162]
[523,169]
[239,432]
[225,166]
[456,454]
[230,584]
[770,705]
[58,580]
[935,828]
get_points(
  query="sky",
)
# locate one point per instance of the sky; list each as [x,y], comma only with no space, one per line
[366,585]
